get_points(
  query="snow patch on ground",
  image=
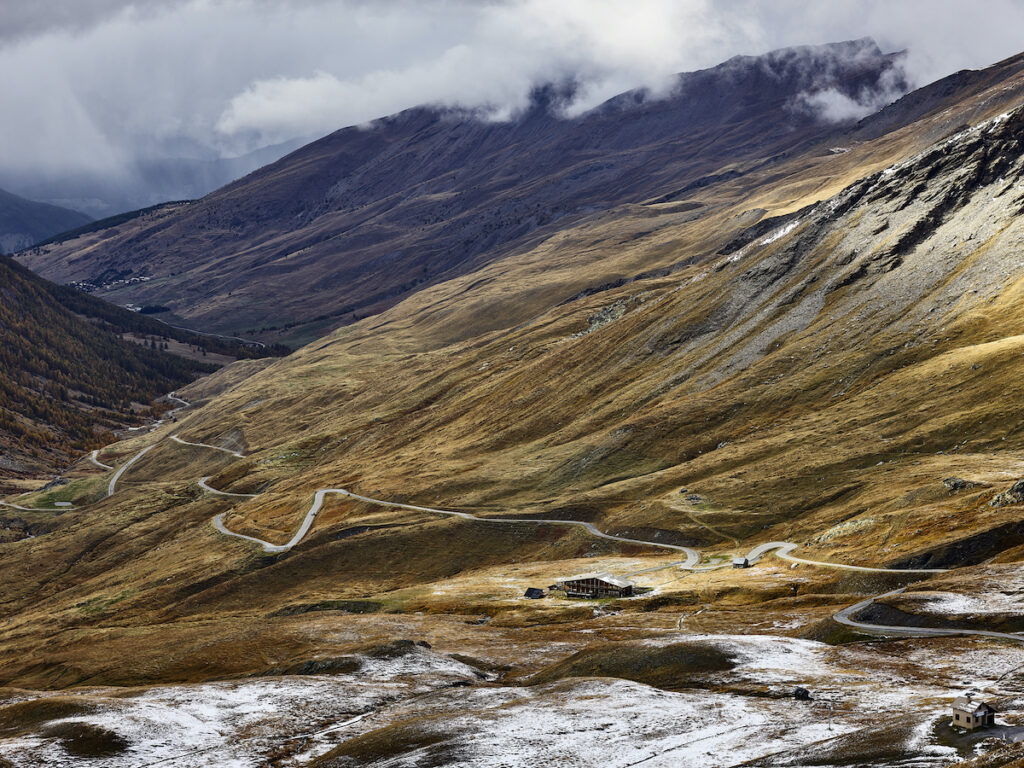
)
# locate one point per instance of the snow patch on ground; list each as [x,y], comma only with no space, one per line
[616,723]
[780,232]
[574,722]
[235,724]
[949,603]
[764,658]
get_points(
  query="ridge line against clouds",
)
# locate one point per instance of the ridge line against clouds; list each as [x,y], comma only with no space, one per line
[101,86]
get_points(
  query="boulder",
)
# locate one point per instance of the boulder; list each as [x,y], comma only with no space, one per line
[957,484]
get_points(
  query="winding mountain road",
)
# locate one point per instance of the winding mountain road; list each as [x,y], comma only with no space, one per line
[783,548]
[228,451]
[36,509]
[845,617]
[780,548]
[112,485]
[184,403]
[691,561]
[94,457]
[203,483]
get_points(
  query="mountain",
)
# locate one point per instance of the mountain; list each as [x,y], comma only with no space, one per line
[819,357]
[66,383]
[24,222]
[353,223]
[69,375]
[874,323]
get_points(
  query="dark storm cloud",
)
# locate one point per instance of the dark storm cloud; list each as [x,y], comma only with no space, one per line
[94,85]
[19,18]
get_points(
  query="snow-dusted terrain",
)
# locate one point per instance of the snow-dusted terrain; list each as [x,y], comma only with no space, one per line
[950,604]
[237,724]
[745,713]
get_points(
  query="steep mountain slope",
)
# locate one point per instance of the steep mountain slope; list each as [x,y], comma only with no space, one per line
[879,326]
[66,380]
[826,350]
[353,223]
[24,222]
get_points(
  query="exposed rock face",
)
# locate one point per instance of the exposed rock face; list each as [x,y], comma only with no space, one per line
[16,529]
[57,482]
[609,314]
[1015,495]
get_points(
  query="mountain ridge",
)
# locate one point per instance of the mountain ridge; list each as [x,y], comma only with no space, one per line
[368,215]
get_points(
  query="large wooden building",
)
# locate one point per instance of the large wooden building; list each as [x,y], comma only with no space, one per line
[594,585]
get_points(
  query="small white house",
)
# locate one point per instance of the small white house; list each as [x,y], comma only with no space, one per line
[970,714]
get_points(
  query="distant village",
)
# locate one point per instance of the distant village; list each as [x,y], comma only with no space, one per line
[87,287]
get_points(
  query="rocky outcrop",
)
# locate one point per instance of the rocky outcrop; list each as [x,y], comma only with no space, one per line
[955,484]
[16,529]
[1015,495]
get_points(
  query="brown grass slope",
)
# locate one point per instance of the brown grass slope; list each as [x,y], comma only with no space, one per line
[814,383]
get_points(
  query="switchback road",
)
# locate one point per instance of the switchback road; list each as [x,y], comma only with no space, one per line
[690,562]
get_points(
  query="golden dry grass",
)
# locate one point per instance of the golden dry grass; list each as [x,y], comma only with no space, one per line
[824,417]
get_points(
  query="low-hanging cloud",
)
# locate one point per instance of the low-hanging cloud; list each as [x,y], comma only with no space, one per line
[489,57]
[834,106]
[100,85]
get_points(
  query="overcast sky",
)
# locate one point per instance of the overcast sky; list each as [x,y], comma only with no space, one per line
[90,84]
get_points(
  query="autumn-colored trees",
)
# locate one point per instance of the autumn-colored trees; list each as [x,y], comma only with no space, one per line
[66,378]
